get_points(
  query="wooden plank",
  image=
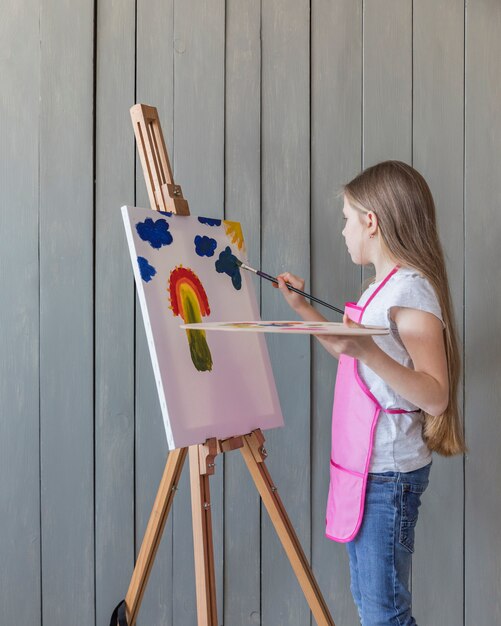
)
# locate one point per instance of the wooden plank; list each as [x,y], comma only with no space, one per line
[387,85]
[154,86]
[242,527]
[199,45]
[336,148]
[387,81]
[285,245]
[437,575]
[114,312]
[66,312]
[198,163]
[19,333]
[482,312]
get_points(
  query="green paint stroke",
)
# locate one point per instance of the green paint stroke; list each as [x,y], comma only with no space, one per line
[199,349]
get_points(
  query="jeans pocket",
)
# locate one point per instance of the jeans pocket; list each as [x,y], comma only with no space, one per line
[409,506]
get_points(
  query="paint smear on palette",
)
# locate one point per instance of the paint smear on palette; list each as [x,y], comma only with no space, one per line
[233,231]
[189,300]
[227,264]
[289,326]
[146,270]
[156,233]
[293,325]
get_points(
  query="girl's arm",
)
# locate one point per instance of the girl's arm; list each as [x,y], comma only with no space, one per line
[427,385]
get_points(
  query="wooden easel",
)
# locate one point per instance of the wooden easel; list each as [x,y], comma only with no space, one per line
[164,195]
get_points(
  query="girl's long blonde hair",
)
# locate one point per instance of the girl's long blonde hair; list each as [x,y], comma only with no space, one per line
[403,204]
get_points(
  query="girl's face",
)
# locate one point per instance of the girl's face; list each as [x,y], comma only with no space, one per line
[356,234]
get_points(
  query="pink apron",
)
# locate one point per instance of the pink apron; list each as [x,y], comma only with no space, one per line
[354,417]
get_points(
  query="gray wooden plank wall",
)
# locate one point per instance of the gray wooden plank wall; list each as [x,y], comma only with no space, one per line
[114,311]
[155,84]
[482,318]
[66,343]
[336,140]
[20,315]
[242,515]
[437,151]
[267,108]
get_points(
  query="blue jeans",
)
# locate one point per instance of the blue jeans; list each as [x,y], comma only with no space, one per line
[381,553]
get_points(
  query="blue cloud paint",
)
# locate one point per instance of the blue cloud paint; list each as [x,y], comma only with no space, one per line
[168,213]
[156,233]
[227,264]
[210,221]
[205,246]
[147,270]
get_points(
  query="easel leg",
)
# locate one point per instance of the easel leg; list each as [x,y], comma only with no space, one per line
[253,455]
[202,541]
[153,534]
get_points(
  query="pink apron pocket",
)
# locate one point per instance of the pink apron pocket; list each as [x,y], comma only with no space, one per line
[345,503]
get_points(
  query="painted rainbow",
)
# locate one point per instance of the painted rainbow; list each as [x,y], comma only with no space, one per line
[189,300]
[185,288]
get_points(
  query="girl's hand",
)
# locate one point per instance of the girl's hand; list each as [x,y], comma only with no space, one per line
[294,300]
[358,347]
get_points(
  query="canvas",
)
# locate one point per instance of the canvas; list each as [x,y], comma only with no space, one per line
[209,384]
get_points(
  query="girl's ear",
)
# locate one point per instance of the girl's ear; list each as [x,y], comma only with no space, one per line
[372,221]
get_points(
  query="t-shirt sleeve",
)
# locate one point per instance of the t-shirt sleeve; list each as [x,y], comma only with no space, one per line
[415,292]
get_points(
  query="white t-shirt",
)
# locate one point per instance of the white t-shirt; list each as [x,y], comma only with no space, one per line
[398,439]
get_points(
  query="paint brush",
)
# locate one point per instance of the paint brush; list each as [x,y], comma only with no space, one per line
[289,286]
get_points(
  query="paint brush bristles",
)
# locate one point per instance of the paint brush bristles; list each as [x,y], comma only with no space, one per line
[290,287]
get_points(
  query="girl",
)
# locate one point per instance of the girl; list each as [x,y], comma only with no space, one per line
[395,397]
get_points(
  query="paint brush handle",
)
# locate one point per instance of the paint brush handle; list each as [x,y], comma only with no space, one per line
[301,293]
[267,276]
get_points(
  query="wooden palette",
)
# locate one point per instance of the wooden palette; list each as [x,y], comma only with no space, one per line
[292,327]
